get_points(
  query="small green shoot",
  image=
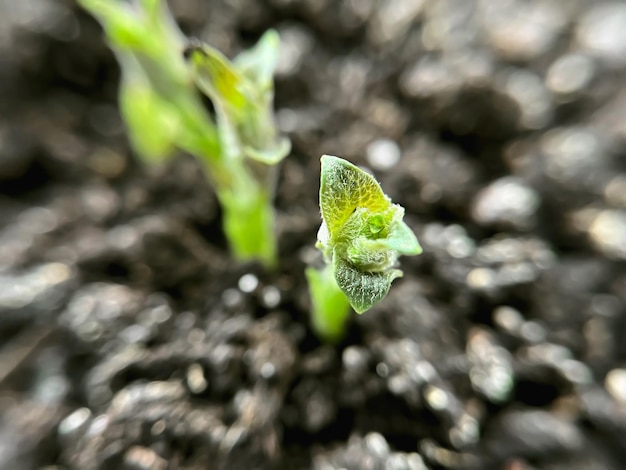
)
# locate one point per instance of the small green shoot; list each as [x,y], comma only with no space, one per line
[361,237]
[163,111]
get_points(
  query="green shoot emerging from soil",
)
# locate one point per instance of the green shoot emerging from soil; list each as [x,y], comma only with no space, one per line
[160,103]
[362,235]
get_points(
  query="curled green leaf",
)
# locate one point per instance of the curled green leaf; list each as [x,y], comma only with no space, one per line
[242,91]
[218,78]
[362,233]
[363,289]
[344,188]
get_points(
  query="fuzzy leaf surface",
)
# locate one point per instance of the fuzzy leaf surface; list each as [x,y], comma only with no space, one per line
[345,187]
[362,233]
[363,288]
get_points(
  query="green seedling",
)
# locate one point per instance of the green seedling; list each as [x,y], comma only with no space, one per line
[163,111]
[361,237]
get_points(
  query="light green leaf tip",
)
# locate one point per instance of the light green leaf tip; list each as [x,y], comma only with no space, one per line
[402,239]
[258,63]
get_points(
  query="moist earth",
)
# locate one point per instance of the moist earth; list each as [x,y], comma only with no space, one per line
[131,340]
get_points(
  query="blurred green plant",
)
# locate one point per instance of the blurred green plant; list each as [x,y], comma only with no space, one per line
[361,237]
[163,111]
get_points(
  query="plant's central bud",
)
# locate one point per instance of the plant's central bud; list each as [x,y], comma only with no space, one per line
[362,232]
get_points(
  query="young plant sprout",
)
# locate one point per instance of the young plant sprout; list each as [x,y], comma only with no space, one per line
[160,103]
[361,237]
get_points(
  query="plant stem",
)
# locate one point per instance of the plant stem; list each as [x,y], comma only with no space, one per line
[330,305]
[248,221]
[163,111]
[247,210]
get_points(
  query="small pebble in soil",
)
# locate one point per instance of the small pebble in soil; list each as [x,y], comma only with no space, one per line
[98,310]
[143,458]
[571,155]
[452,239]
[270,297]
[248,283]
[615,383]
[430,77]
[38,285]
[295,43]
[465,433]
[74,424]
[437,398]
[391,20]
[232,298]
[532,433]
[608,233]
[527,90]
[383,154]
[34,294]
[522,31]
[533,332]
[196,381]
[602,30]
[605,413]
[370,452]
[508,318]
[507,202]
[38,220]
[491,371]
[16,152]
[355,359]
[570,73]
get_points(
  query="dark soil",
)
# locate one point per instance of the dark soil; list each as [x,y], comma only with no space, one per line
[130,340]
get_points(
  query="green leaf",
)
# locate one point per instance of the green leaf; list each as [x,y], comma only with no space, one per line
[272,155]
[363,288]
[370,255]
[218,78]
[242,93]
[402,239]
[257,64]
[343,189]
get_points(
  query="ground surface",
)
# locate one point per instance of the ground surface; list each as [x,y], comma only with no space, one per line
[130,340]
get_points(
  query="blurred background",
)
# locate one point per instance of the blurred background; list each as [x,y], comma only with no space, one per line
[129,340]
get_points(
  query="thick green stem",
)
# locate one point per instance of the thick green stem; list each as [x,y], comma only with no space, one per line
[247,210]
[248,220]
[330,305]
